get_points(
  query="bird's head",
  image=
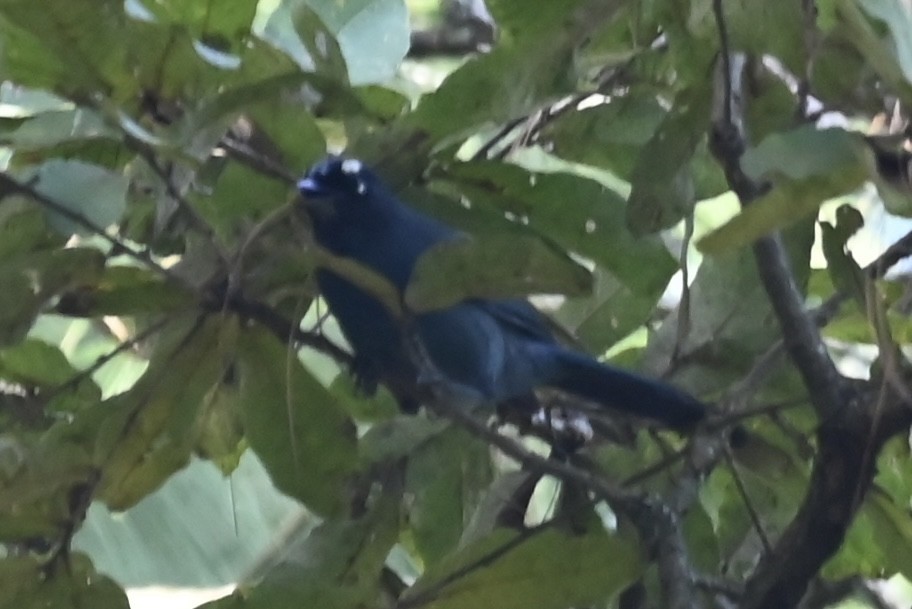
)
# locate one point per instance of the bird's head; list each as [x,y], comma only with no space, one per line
[342,193]
[336,177]
[346,200]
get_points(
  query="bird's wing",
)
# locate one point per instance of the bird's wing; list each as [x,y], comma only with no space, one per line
[518,316]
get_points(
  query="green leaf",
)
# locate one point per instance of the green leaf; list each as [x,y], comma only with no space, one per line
[724,506]
[609,135]
[240,195]
[169,63]
[55,127]
[18,306]
[278,90]
[492,266]
[612,313]
[221,431]
[25,59]
[878,541]
[579,214]
[150,431]
[446,477]
[292,129]
[24,584]
[774,28]
[845,272]
[96,194]
[23,228]
[897,16]
[336,565]
[53,271]
[37,364]
[802,153]
[543,569]
[662,190]
[892,533]
[398,437]
[167,539]
[294,424]
[29,280]
[514,16]
[37,482]
[222,24]
[730,323]
[701,539]
[525,69]
[377,409]
[358,41]
[386,104]
[823,165]
[500,496]
[124,290]
[495,88]
[372,34]
[877,53]
[787,203]
[323,49]
[84,48]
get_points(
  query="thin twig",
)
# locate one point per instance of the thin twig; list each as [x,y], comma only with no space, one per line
[8,184]
[503,132]
[78,378]
[683,327]
[197,222]
[246,155]
[746,500]
[725,51]
[428,596]
[656,468]
[281,327]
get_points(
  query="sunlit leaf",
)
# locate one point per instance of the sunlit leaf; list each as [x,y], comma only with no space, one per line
[95,194]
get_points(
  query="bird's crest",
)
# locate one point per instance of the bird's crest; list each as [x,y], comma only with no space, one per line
[336,175]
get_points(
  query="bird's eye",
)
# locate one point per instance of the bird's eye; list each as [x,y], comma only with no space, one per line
[336,177]
[353,176]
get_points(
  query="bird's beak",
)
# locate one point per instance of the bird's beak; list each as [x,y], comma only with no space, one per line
[310,188]
[316,201]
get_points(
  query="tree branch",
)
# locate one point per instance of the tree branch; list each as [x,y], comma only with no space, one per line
[467,28]
[852,429]
[658,524]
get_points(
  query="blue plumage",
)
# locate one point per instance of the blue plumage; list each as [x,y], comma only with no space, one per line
[496,349]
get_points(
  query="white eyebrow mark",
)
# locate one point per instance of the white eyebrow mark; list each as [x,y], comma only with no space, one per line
[352,166]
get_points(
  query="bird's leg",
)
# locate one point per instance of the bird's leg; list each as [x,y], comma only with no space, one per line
[366,375]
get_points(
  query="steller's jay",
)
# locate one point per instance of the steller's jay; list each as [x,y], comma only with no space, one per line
[498,350]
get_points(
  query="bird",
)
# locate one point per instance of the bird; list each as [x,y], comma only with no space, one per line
[495,350]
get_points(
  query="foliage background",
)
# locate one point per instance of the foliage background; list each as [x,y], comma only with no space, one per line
[643,159]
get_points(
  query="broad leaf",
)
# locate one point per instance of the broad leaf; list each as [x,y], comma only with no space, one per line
[543,569]
[25,585]
[493,266]
[294,424]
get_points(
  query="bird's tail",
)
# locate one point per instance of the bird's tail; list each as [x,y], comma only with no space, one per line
[581,375]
